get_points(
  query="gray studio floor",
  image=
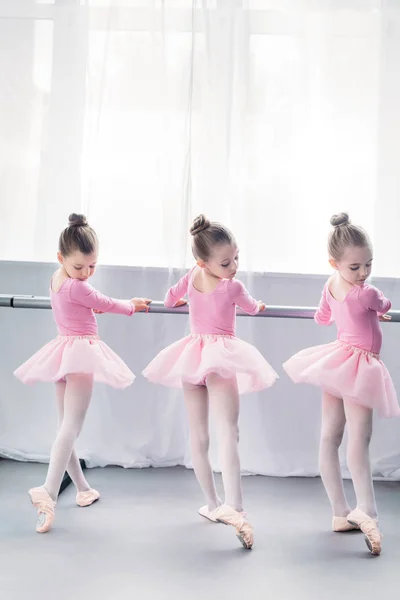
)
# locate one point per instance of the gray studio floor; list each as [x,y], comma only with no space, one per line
[144,540]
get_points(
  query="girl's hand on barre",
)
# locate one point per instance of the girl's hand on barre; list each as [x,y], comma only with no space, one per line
[180,302]
[385,318]
[261,305]
[141,304]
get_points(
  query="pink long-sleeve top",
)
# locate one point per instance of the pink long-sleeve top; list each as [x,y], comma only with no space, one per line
[213,313]
[73,306]
[356,317]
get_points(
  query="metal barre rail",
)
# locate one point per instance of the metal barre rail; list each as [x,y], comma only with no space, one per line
[276,312]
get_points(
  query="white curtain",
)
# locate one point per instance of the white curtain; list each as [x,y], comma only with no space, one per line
[269,115]
[145,425]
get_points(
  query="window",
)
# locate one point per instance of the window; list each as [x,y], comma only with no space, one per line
[267,115]
[25,65]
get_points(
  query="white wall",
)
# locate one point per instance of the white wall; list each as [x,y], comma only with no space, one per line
[145,424]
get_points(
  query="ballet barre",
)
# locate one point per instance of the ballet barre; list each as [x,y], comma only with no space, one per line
[274,312]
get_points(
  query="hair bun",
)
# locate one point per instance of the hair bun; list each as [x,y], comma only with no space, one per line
[340,220]
[75,220]
[199,224]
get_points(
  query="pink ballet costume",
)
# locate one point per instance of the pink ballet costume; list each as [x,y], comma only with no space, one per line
[212,347]
[78,349]
[350,367]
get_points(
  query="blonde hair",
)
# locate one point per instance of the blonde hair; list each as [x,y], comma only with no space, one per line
[206,235]
[345,234]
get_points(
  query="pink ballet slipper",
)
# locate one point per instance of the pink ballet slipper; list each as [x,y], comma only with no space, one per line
[244,531]
[370,529]
[87,498]
[211,515]
[341,524]
[45,506]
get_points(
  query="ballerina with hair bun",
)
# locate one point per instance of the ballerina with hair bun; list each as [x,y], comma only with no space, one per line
[213,366]
[74,360]
[353,378]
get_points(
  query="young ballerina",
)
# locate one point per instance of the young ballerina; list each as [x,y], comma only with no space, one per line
[353,378]
[74,360]
[213,366]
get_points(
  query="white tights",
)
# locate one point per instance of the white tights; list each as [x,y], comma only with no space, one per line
[335,414]
[73,399]
[223,397]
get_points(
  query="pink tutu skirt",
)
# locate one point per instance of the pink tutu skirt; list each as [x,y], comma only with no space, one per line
[76,354]
[196,356]
[346,372]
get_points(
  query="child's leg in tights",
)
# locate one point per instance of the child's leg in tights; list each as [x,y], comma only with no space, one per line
[78,393]
[333,424]
[224,402]
[359,424]
[196,401]
[74,468]
[359,427]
